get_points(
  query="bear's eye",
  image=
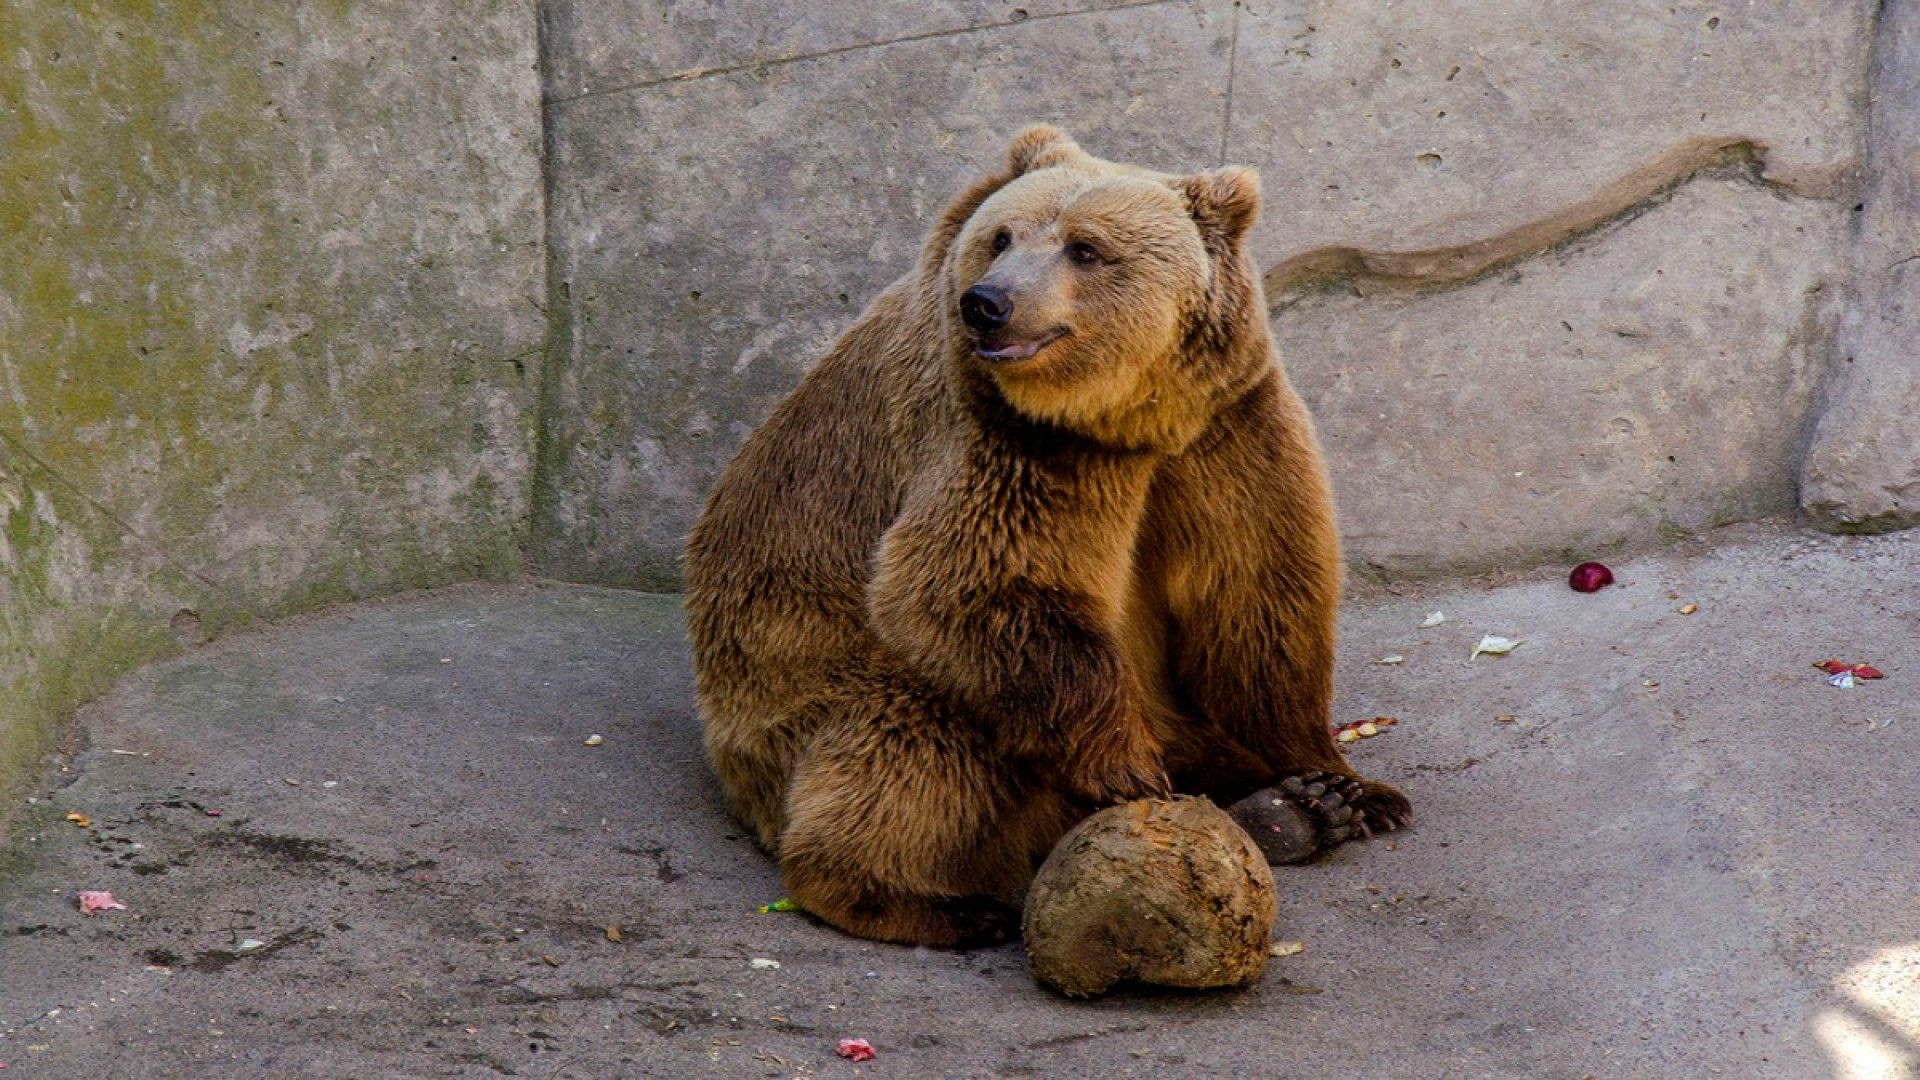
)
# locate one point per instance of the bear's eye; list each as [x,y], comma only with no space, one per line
[1084,254]
[1000,241]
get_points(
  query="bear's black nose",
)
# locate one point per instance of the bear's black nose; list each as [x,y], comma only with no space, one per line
[985,308]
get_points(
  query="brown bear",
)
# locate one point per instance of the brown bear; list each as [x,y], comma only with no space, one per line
[1046,530]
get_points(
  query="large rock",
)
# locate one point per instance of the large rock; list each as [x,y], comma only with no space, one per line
[1165,892]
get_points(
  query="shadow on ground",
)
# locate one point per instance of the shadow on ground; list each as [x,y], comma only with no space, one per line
[375,843]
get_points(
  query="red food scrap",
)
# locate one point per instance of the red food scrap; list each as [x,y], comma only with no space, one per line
[855,1050]
[1590,577]
[1859,671]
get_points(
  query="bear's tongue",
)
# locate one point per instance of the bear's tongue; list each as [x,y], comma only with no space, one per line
[1015,350]
[1018,351]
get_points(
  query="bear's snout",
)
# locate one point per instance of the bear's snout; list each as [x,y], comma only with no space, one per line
[986,309]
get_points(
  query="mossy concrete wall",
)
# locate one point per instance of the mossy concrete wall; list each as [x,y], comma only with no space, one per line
[271,320]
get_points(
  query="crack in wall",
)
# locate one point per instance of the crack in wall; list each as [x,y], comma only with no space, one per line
[14,443]
[693,74]
[1625,198]
[1233,68]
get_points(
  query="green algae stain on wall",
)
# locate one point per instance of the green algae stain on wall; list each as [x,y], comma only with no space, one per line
[100,285]
[264,324]
[53,653]
[20,536]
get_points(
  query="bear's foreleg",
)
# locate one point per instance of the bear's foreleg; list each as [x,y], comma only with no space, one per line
[1001,584]
[1244,539]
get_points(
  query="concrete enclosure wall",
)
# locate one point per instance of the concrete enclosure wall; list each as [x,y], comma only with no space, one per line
[309,302]
[1555,277]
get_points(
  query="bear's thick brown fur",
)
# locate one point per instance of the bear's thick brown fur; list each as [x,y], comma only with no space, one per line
[978,576]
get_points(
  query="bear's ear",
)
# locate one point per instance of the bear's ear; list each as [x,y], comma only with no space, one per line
[1224,203]
[1040,146]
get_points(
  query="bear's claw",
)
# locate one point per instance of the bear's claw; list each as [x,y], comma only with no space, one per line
[980,920]
[1304,814]
[1330,800]
[1346,805]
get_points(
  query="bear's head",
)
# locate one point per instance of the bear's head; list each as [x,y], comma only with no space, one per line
[1109,300]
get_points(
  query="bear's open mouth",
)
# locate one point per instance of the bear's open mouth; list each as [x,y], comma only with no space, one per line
[1017,350]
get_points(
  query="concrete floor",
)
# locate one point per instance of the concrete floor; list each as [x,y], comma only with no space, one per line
[1684,855]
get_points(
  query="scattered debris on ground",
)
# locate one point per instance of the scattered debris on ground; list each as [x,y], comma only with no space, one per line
[1362,729]
[1494,645]
[426,911]
[92,900]
[855,1049]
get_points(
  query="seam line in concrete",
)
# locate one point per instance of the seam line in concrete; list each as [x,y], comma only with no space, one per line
[556,347]
[1233,67]
[694,74]
[105,511]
